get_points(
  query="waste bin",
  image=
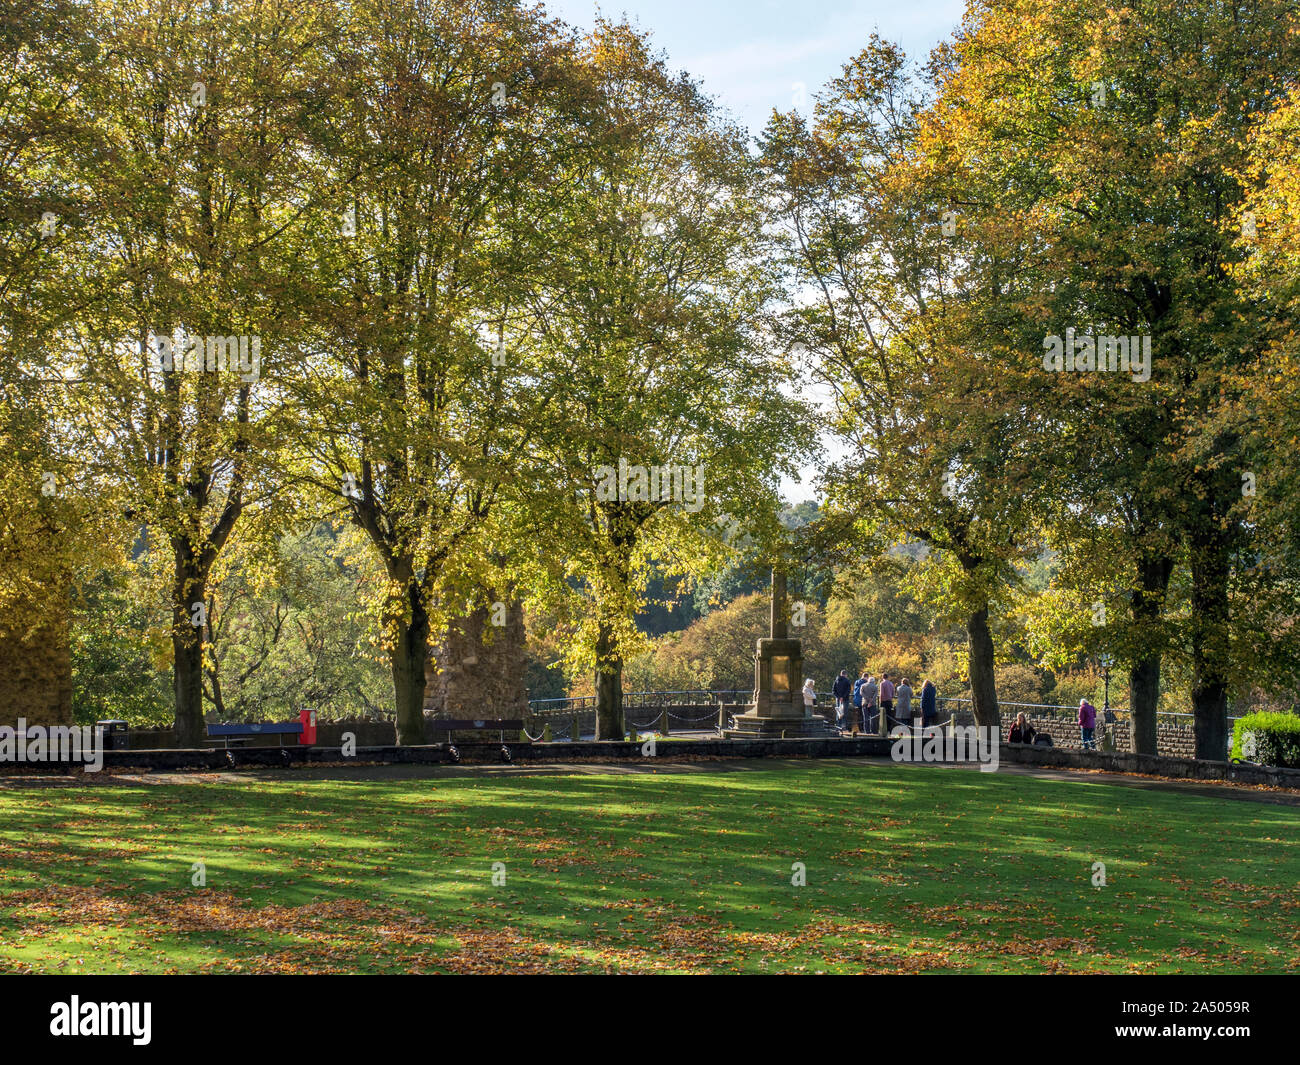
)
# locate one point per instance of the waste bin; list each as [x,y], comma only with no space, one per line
[113,735]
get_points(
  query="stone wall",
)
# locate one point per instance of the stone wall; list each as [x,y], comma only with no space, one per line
[1172,740]
[1158,765]
[477,671]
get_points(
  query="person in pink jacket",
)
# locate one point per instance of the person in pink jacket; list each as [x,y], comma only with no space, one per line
[1088,724]
[887,699]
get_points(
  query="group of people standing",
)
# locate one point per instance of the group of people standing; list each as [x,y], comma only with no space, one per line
[861,702]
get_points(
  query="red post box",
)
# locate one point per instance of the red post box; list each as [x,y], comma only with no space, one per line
[308,719]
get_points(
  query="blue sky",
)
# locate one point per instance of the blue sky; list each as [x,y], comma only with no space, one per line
[751,53]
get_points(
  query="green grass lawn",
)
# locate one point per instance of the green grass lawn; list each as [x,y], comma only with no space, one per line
[911,869]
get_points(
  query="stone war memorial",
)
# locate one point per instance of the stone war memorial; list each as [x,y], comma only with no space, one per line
[778,711]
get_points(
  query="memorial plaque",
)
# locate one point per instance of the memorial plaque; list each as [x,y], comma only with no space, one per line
[781,680]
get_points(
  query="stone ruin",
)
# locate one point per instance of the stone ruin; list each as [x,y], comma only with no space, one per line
[477,670]
[36,673]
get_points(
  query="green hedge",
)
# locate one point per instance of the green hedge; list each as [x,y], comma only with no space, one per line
[1277,738]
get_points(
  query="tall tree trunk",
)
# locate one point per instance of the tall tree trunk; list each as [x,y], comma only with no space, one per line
[983,687]
[211,671]
[409,657]
[1147,604]
[610,724]
[218,700]
[188,590]
[1210,565]
[1210,706]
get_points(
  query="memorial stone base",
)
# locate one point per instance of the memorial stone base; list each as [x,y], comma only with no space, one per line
[778,708]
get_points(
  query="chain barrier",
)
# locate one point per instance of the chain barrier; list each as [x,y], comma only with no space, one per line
[693,720]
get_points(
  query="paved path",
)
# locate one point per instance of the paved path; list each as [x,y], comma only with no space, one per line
[382,773]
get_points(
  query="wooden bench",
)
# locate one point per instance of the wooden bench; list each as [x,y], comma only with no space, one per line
[498,725]
[246,730]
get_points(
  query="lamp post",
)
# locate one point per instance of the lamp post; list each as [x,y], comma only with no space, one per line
[1106,741]
[1105,676]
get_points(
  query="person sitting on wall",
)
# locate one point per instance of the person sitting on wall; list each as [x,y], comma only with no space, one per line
[1022,731]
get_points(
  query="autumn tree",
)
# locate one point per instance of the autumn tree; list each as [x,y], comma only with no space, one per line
[431,190]
[56,517]
[184,185]
[1115,134]
[670,427]
[897,309]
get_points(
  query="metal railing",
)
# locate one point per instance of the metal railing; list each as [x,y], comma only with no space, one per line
[1169,716]
[644,700]
[561,714]
[1051,707]
[695,696]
